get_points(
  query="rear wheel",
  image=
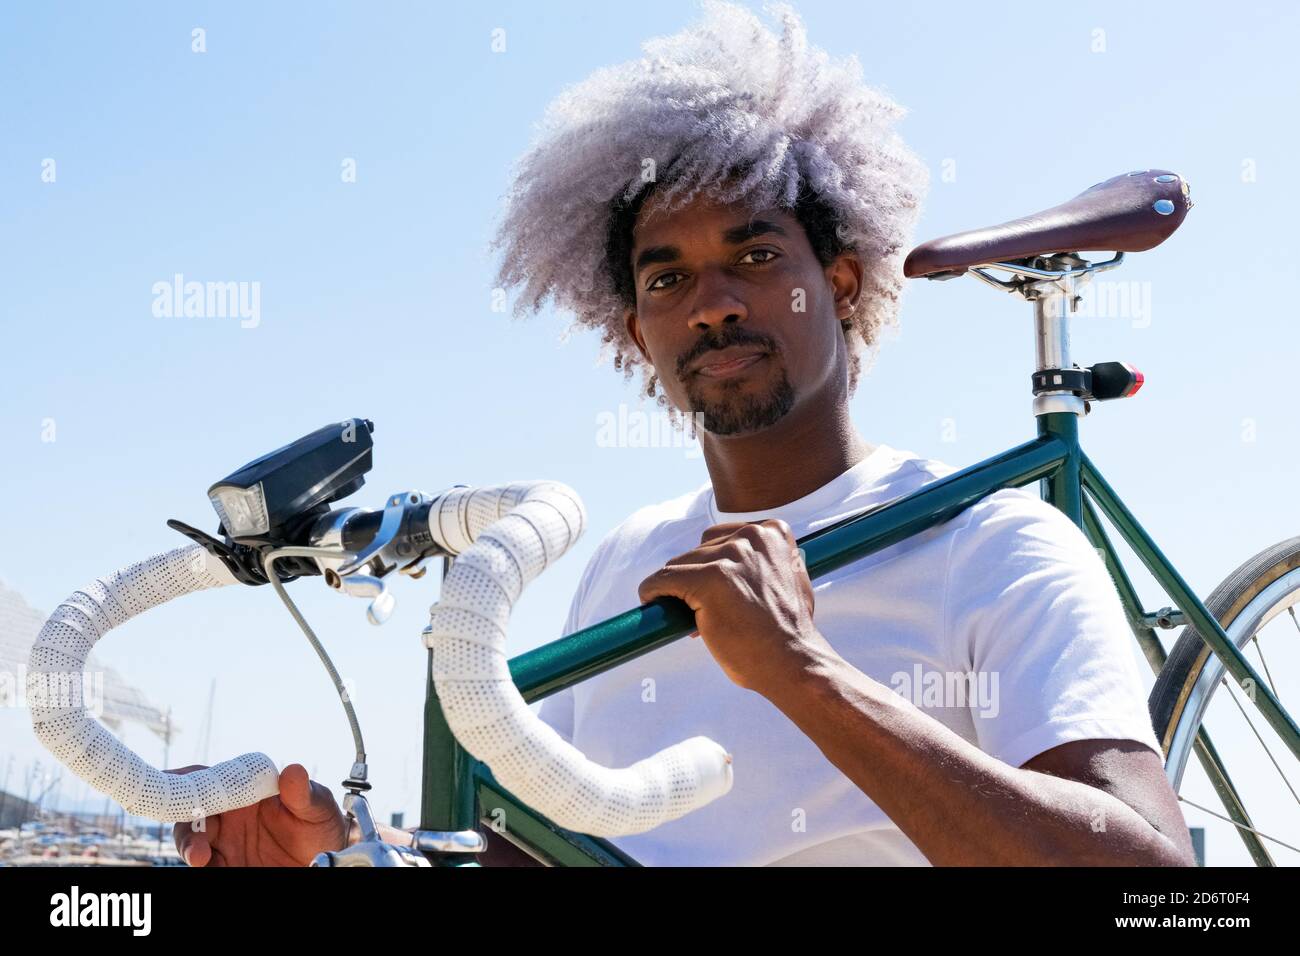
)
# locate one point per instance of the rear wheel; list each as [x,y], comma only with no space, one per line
[1255,605]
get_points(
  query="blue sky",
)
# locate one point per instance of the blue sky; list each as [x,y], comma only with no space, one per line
[376,298]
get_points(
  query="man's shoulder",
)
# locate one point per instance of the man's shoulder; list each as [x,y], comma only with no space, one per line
[1000,511]
[1013,542]
[1005,522]
[1018,511]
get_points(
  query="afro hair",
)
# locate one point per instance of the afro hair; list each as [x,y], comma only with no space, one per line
[727,109]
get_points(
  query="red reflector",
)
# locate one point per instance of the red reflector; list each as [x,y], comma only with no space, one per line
[1139,379]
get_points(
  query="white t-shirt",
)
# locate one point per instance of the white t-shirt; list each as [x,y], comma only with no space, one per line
[1009,591]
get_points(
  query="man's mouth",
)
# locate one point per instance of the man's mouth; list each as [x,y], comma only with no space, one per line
[726,362]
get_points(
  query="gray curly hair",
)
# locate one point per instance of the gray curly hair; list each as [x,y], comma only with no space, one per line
[728,109]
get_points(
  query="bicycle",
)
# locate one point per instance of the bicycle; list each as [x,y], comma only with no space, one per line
[277,525]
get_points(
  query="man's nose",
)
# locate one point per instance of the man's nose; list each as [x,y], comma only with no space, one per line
[716,301]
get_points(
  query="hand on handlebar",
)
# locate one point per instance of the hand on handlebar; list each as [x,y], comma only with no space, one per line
[284,830]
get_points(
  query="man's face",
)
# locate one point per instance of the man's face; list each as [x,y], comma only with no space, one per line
[737,316]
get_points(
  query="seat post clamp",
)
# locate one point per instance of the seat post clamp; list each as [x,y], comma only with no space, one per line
[1097,383]
[1076,380]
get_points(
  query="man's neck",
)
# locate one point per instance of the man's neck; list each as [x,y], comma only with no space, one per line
[784,462]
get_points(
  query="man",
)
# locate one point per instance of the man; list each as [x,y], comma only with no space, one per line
[967,696]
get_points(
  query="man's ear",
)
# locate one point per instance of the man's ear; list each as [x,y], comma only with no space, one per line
[634,333]
[845,275]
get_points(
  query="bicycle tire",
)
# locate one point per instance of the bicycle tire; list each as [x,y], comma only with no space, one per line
[1179,696]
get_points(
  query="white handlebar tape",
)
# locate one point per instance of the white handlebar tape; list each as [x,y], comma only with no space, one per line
[503,536]
[57,683]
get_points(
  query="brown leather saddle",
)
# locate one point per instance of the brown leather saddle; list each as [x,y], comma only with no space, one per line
[1131,212]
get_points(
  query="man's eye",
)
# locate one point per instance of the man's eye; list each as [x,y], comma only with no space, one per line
[761,252]
[658,279]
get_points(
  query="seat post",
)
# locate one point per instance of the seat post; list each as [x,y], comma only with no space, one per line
[1054,300]
[1057,411]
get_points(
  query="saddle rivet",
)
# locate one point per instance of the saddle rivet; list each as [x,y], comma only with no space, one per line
[1163,206]
[1166,178]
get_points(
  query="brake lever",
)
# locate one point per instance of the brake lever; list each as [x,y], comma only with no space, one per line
[370,850]
[399,537]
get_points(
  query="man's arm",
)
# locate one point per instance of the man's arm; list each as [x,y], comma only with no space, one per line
[1083,803]
[1045,596]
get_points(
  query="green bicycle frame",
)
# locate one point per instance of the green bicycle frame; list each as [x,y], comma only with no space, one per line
[459,792]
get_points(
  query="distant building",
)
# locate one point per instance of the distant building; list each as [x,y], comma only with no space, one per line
[19,625]
[14,810]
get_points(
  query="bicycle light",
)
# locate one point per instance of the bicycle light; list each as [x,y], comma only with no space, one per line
[242,510]
[261,499]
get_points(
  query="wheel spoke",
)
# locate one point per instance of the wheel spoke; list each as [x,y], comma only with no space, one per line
[1245,716]
[1263,663]
[1258,833]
